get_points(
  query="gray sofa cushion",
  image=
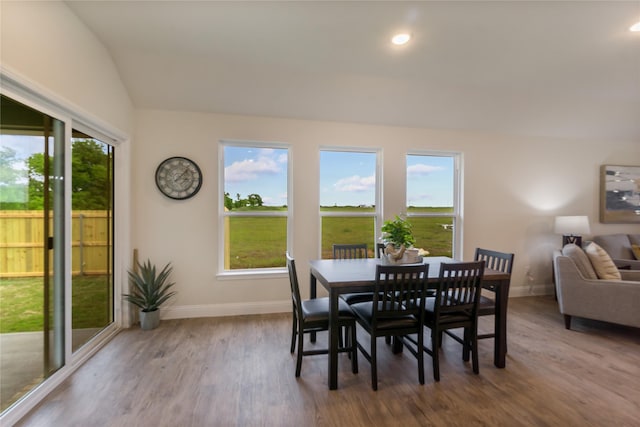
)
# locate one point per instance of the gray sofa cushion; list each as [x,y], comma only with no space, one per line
[581,260]
[616,245]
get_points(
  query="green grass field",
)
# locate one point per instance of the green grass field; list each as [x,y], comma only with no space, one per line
[255,242]
[21,303]
[259,242]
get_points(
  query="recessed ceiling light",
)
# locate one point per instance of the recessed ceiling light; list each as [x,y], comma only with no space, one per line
[635,27]
[400,38]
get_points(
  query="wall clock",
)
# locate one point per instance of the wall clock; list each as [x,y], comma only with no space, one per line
[178,178]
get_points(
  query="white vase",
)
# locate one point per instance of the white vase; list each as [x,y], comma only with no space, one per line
[149,319]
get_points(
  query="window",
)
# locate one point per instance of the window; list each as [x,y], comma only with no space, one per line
[254,201]
[432,201]
[349,198]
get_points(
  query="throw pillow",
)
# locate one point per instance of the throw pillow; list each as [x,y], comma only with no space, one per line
[636,251]
[602,263]
[581,260]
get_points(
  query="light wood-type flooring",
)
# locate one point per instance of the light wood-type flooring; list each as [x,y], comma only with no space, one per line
[237,371]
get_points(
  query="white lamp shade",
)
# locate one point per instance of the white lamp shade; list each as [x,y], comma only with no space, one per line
[574,225]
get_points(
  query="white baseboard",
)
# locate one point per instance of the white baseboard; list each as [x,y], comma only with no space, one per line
[533,290]
[220,310]
[268,307]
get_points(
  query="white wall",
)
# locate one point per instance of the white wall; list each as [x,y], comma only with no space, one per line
[513,188]
[44,43]
[47,51]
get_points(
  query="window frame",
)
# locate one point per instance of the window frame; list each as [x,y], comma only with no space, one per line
[456,215]
[222,214]
[377,213]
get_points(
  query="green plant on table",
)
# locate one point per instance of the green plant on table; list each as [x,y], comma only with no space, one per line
[397,232]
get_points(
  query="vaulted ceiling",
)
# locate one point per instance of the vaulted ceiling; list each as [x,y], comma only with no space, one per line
[544,68]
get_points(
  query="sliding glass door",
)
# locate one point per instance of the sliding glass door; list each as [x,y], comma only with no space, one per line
[91,237]
[56,249]
[32,229]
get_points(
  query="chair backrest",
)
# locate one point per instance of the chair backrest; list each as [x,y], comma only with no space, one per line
[494,260]
[380,250]
[459,287]
[400,290]
[295,288]
[351,251]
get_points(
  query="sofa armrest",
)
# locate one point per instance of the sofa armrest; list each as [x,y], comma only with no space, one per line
[633,275]
[627,264]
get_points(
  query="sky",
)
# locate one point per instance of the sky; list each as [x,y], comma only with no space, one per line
[346,178]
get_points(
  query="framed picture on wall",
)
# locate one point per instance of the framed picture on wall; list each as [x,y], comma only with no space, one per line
[619,194]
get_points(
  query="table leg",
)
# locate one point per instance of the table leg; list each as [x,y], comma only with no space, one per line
[500,341]
[334,333]
[312,295]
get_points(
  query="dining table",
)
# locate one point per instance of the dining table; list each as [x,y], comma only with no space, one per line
[340,276]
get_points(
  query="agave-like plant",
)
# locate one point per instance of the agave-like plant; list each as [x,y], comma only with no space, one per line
[148,289]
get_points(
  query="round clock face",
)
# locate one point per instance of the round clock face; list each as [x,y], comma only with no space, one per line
[178,178]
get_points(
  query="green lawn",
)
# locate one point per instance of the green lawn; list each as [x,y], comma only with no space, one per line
[255,242]
[259,242]
[22,299]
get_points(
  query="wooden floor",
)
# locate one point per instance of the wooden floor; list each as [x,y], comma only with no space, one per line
[239,372]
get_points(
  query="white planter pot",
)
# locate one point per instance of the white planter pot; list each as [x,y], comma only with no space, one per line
[149,319]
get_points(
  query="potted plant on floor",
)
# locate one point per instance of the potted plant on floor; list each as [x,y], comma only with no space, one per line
[149,290]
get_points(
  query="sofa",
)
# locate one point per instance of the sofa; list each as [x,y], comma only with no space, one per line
[581,293]
[618,246]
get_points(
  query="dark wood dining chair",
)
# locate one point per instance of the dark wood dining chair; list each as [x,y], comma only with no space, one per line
[455,305]
[352,251]
[494,260]
[312,315]
[380,250]
[397,310]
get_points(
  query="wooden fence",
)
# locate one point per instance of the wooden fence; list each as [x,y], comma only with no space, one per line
[22,243]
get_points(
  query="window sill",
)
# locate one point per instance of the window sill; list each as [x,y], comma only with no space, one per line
[258,273]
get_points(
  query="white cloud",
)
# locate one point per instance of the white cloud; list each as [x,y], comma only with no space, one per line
[355,183]
[251,169]
[422,169]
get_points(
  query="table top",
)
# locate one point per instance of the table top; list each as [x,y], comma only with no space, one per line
[354,273]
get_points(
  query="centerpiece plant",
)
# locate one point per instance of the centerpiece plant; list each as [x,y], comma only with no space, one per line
[397,236]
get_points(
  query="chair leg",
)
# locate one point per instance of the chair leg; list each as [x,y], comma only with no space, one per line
[374,364]
[354,349]
[465,345]
[293,334]
[474,349]
[435,350]
[300,351]
[420,356]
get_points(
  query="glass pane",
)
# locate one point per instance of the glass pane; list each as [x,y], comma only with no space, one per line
[430,183]
[434,234]
[31,249]
[347,179]
[255,242]
[255,178]
[91,237]
[347,230]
